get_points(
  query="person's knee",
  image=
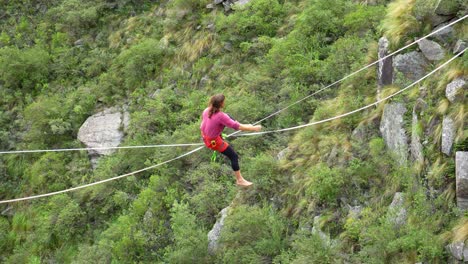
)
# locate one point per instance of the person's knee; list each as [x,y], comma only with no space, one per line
[235,156]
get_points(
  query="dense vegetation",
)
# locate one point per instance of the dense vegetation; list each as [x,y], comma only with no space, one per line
[63,60]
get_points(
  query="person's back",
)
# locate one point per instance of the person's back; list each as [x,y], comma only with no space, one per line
[213,123]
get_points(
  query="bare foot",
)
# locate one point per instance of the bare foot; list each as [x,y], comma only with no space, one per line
[243,183]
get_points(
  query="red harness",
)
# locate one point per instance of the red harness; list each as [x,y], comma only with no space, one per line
[216,143]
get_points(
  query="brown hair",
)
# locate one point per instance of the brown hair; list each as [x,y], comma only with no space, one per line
[216,101]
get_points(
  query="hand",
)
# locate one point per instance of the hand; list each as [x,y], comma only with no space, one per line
[257,128]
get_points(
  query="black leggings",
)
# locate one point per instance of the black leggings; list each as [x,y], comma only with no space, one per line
[232,155]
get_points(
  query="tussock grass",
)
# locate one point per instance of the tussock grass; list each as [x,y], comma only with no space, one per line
[192,50]
[449,194]
[437,172]
[459,117]
[399,21]
[460,231]
[443,106]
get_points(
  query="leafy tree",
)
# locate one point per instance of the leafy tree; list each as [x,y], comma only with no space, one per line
[141,62]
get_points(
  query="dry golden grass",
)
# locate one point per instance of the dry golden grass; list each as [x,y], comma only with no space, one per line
[443,106]
[460,231]
[399,21]
[437,172]
[115,39]
[192,50]
[459,117]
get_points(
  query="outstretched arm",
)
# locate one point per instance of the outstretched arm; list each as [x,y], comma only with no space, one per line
[249,127]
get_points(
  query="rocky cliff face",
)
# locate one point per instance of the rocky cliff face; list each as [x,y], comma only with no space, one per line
[409,67]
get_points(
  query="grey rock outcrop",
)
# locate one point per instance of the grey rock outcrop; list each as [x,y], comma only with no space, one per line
[79,43]
[453,88]
[8,211]
[333,156]
[461,171]
[458,251]
[363,132]
[282,154]
[445,35]
[448,135]
[436,20]
[459,46]
[215,233]
[229,3]
[431,50]
[243,2]
[392,130]
[103,129]
[412,65]
[354,211]
[397,214]
[317,231]
[385,67]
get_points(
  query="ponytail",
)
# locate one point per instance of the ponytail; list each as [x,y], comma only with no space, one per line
[216,102]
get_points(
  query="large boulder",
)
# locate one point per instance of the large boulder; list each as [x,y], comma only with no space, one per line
[104,129]
[448,135]
[431,50]
[461,172]
[215,233]
[453,89]
[385,67]
[412,65]
[392,130]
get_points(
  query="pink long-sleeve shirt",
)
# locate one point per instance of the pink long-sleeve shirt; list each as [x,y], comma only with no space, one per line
[212,127]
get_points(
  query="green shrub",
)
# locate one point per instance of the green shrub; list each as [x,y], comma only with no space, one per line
[264,171]
[258,18]
[364,18]
[251,234]
[346,54]
[47,120]
[5,238]
[140,62]
[190,240]
[49,173]
[309,248]
[75,16]
[66,218]
[323,183]
[25,69]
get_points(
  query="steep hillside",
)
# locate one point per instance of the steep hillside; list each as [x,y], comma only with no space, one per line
[387,184]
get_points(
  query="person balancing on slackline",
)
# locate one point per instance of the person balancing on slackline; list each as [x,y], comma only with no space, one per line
[213,123]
